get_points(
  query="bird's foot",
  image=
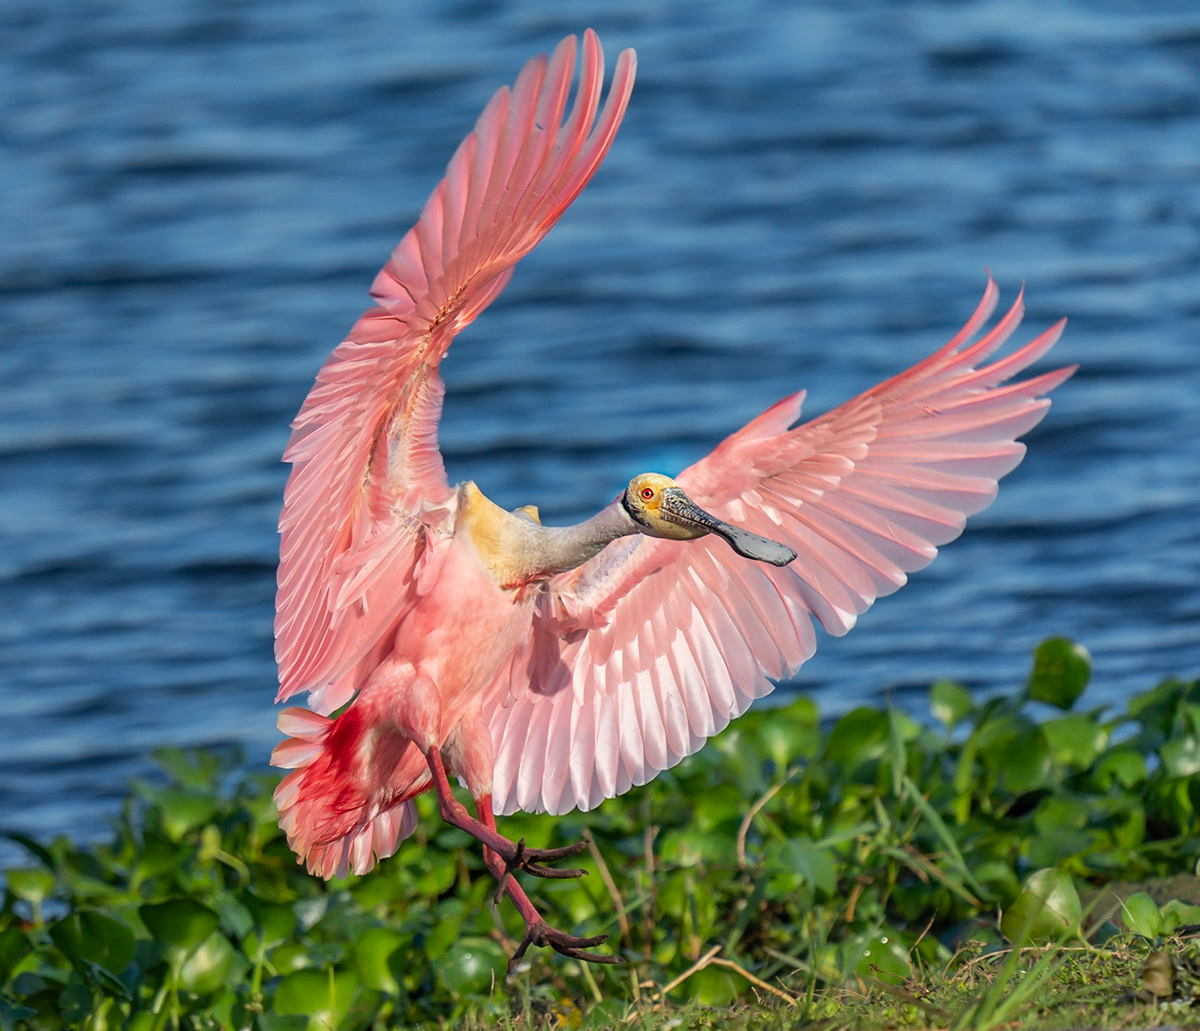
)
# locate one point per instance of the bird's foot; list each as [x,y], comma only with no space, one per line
[532,860]
[538,932]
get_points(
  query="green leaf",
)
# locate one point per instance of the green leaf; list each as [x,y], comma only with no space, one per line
[1181,756]
[14,947]
[1177,914]
[789,734]
[372,951]
[950,703]
[711,987]
[1047,908]
[1142,915]
[880,956]
[179,926]
[274,922]
[811,862]
[33,884]
[858,737]
[180,810]
[209,966]
[1121,765]
[1075,740]
[471,966]
[1061,670]
[88,937]
[11,1012]
[192,768]
[1015,749]
[323,996]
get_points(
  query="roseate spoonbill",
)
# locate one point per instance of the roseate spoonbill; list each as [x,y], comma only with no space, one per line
[550,668]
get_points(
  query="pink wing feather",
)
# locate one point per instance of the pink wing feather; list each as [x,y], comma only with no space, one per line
[367,478]
[680,637]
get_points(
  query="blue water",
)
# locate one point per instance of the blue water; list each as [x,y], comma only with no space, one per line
[195,197]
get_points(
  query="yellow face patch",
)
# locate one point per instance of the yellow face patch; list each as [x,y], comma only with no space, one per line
[645,492]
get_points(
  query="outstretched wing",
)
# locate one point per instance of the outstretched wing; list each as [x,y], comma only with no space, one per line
[653,646]
[367,477]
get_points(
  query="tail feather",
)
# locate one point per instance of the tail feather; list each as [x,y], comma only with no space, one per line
[348,801]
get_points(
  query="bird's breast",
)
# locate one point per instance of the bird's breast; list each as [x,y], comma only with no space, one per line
[464,626]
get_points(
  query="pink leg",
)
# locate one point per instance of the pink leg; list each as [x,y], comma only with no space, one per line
[537,931]
[515,855]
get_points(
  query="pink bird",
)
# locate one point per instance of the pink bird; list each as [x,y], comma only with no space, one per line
[550,668]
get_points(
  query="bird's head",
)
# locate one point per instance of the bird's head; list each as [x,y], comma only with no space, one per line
[660,508]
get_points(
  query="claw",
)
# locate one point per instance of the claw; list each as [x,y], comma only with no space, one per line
[538,932]
[533,860]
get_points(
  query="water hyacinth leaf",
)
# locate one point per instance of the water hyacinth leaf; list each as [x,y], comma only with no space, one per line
[996,880]
[158,855]
[1061,670]
[881,956]
[11,1012]
[31,883]
[288,957]
[790,734]
[90,938]
[1181,755]
[272,1021]
[323,996]
[1142,915]
[1121,765]
[1059,846]
[950,703]
[236,919]
[814,864]
[1157,708]
[471,966]
[274,922]
[178,926]
[712,986]
[1075,740]
[723,804]
[450,917]
[373,951]
[180,810]
[1176,914]
[14,947]
[1015,749]
[685,847]
[439,873]
[75,1002]
[1047,908]
[1056,812]
[209,966]
[858,737]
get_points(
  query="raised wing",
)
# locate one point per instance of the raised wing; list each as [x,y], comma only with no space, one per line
[653,646]
[367,478]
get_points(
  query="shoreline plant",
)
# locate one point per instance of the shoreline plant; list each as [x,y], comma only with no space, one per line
[963,868]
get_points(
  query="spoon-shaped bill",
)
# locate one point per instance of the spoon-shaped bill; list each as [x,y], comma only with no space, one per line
[678,508]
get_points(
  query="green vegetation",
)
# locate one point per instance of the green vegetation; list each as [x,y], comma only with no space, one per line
[872,873]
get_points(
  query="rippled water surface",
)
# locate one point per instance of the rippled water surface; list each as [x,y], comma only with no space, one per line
[194,198]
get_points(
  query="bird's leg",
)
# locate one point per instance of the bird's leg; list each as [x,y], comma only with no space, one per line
[537,931]
[515,854]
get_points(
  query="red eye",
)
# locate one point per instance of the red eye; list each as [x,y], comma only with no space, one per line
[647,493]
